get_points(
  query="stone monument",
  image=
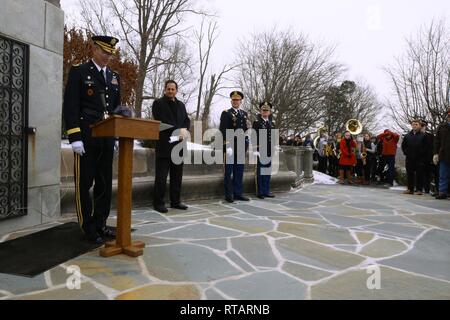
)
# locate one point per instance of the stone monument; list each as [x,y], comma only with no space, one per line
[31,71]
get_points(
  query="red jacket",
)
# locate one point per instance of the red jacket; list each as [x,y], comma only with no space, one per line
[347,159]
[389,145]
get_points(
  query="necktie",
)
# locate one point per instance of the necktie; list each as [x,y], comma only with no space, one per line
[103,74]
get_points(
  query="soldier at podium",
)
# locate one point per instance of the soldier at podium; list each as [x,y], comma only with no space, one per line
[92,93]
[234,121]
[169,110]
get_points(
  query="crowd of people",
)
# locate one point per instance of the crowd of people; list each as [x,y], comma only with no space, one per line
[370,159]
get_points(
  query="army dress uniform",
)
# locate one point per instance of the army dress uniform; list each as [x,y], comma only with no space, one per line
[234,119]
[263,130]
[91,95]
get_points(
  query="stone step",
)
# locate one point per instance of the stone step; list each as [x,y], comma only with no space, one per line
[195,187]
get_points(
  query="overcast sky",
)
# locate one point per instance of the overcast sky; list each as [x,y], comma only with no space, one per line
[367,34]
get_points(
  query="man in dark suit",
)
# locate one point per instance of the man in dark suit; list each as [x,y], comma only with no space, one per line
[171,111]
[414,147]
[92,94]
[234,120]
[263,127]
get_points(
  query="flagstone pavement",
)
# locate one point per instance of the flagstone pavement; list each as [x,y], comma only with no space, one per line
[319,242]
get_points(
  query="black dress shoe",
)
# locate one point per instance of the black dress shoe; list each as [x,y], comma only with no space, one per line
[161,209]
[179,206]
[441,196]
[270,195]
[229,200]
[260,196]
[108,232]
[95,238]
[242,198]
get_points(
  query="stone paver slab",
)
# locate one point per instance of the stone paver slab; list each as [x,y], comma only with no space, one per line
[184,262]
[249,226]
[162,292]
[199,231]
[313,254]
[304,272]
[383,248]
[264,286]
[323,234]
[87,292]
[251,247]
[394,285]
[430,256]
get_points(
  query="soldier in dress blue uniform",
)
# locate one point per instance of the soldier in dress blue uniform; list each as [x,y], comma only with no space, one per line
[232,120]
[263,126]
[92,94]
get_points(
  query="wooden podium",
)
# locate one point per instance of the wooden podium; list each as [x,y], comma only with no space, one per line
[127,129]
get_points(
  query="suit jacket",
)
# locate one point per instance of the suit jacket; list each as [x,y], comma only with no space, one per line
[87,97]
[161,111]
[414,147]
[442,142]
[233,119]
[260,126]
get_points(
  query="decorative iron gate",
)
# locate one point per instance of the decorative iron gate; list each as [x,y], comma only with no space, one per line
[14,59]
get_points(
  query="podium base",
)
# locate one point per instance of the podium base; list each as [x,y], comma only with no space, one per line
[136,249]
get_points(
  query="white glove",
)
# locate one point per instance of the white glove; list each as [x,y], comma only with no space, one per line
[256,154]
[174,139]
[78,147]
[116,146]
[229,152]
[436,159]
[184,133]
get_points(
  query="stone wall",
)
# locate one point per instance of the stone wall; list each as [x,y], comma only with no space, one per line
[200,182]
[40,24]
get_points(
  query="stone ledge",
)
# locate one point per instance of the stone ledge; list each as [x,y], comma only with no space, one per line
[197,187]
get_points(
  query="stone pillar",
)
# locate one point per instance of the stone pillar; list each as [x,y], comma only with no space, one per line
[295,157]
[308,175]
[39,24]
[55,3]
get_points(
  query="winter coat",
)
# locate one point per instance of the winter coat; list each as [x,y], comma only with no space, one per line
[347,158]
[442,142]
[389,145]
[414,147]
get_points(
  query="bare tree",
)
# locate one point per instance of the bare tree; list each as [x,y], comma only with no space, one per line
[351,100]
[207,89]
[179,69]
[144,26]
[213,88]
[421,78]
[204,55]
[290,72]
